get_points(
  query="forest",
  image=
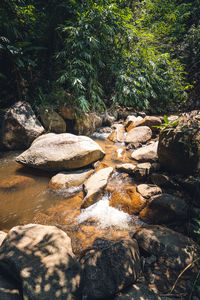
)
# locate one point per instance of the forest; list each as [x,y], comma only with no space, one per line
[94,55]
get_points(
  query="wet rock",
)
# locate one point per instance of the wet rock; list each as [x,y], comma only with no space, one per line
[67,113]
[117,134]
[20,126]
[151,122]
[52,121]
[138,291]
[148,190]
[142,171]
[87,124]
[178,148]
[87,235]
[146,154]
[66,180]
[41,258]
[57,152]
[164,209]
[177,250]
[138,135]
[108,271]
[15,181]
[95,184]
[126,168]
[127,200]
[2,236]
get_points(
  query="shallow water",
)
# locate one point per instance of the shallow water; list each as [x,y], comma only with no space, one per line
[25,196]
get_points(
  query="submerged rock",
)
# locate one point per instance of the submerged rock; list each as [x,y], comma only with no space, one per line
[41,259]
[20,126]
[15,181]
[108,271]
[57,152]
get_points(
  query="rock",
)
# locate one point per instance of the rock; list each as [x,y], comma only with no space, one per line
[117,135]
[95,184]
[146,154]
[133,146]
[164,209]
[67,180]
[178,148]
[151,122]
[131,121]
[57,152]
[142,171]
[87,124]
[87,235]
[9,289]
[138,291]
[138,135]
[2,236]
[141,114]
[52,121]
[15,181]
[20,127]
[108,271]
[148,190]
[41,259]
[67,113]
[191,184]
[108,120]
[161,179]
[127,200]
[105,130]
[126,168]
[177,250]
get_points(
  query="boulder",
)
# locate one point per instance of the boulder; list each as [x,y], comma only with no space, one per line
[151,122]
[178,148]
[147,153]
[95,184]
[109,270]
[138,135]
[148,190]
[41,259]
[177,250]
[142,171]
[2,236]
[164,209]
[126,168]
[67,113]
[131,121]
[139,291]
[66,180]
[87,124]
[52,121]
[117,134]
[161,180]
[57,152]
[127,200]
[20,127]
[108,120]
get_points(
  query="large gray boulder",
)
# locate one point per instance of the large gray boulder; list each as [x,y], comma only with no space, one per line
[179,148]
[146,154]
[20,126]
[177,250]
[57,152]
[109,270]
[40,260]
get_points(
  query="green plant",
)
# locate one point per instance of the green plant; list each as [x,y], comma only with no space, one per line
[167,125]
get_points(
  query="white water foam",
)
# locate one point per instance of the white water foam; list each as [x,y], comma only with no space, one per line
[105,215]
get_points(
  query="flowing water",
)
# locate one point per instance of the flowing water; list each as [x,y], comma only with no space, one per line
[25,198]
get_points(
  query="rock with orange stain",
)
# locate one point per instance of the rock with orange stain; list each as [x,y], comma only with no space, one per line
[131,121]
[63,214]
[87,234]
[16,181]
[127,200]
[66,180]
[99,165]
